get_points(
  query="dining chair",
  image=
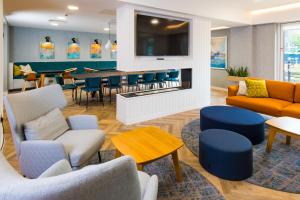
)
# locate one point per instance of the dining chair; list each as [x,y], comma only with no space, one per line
[173,77]
[67,74]
[30,77]
[114,82]
[92,85]
[160,79]
[60,80]
[148,80]
[132,81]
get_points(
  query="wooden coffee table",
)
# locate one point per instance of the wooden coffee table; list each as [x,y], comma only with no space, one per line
[285,125]
[148,144]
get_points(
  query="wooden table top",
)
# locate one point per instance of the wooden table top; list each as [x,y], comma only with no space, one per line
[287,124]
[146,144]
[104,74]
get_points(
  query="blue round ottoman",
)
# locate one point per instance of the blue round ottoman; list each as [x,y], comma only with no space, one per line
[245,122]
[226,154]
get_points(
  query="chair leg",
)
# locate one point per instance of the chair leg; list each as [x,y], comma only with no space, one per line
[110,95]
[36,84]
[24,86]
[73,94]
[76,95]
[80,96]
[87,100]
[99,157]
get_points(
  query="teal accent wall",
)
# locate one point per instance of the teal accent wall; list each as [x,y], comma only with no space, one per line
[24,44]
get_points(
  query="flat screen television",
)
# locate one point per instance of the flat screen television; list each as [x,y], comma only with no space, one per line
[161,36]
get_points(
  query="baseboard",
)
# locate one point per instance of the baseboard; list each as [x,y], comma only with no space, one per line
[218,88]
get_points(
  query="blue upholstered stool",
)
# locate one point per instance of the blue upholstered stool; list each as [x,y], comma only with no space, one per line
[245,122]
[226,154]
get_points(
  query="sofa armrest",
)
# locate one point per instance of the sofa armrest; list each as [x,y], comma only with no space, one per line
[232,90]
[60,167]
[151,190]
[83,122]
[36,156]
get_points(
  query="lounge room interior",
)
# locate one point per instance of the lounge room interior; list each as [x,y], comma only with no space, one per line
[146,100]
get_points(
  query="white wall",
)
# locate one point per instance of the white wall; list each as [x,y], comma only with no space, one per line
[1,58]
[137,109]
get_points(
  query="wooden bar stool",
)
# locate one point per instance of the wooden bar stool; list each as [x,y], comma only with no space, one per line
[30,77]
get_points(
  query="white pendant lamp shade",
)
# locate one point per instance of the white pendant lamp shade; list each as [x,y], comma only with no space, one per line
[108,44]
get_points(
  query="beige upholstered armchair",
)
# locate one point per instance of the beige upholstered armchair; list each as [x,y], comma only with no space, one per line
[114,180]
[77,145]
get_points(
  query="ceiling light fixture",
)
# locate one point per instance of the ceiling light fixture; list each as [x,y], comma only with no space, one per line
[72,7]
[154,21]
[219,28]
[275,9]
[61,18]
[54,24]
[108,43]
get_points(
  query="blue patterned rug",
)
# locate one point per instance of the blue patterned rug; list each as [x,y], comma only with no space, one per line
[193,187]
[278,170]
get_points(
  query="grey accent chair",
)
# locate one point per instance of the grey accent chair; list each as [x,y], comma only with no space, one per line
[114,180]
[78,145]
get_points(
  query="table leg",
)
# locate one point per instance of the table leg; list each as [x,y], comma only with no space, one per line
[118,154]
[42,80]
[176,166]
[140,167]
[271,137]
[288,140]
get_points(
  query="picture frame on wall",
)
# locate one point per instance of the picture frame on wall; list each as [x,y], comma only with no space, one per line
[96,49]
[73,51]
[219,52]
[47,48]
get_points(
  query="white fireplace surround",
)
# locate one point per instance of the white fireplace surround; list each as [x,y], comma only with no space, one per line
[143,108]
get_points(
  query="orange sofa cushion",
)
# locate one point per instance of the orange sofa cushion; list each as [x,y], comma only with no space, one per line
[262,105]
[292,110]
[297,93]
[281,90]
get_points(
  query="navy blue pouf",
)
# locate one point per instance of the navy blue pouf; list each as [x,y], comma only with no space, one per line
[245,122]
[226,154]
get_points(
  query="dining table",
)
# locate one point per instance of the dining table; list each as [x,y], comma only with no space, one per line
[43,74]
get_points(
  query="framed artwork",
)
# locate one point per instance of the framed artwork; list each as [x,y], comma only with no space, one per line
[73,51]
[47,48]
[95,49]
[219,52]
[113,51]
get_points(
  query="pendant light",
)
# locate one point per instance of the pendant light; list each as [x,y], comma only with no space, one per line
[108,43]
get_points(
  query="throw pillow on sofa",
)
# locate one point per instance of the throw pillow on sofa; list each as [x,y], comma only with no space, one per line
[47,127]
[256,88]
[26,69]
[242,89]
[17,70]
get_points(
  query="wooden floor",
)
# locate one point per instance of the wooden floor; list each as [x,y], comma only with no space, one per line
[173,124]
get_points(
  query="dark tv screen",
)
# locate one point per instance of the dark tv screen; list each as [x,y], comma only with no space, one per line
[159,36]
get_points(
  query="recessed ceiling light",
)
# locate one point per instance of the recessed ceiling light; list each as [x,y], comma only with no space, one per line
[276,9]
[154,21]
[72,7]
[106,29]
[54,24]
[61,18]
[219,28]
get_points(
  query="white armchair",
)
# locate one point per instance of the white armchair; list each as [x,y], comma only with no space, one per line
[114,180]
[78,145]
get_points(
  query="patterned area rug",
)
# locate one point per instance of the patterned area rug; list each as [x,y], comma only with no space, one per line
[193,187]
[279,170]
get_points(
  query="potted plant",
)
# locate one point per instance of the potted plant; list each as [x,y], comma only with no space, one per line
[237,74]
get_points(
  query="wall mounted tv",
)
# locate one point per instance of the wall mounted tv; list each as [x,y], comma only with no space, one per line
[161,36]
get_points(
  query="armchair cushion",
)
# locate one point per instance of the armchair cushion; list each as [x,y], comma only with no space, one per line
[47,127]
[81,145]
[148,186]
[83,122]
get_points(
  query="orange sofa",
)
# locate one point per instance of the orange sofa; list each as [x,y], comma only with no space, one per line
[284,99]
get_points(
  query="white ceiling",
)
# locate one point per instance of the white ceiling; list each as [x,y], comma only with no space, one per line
[94,15]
